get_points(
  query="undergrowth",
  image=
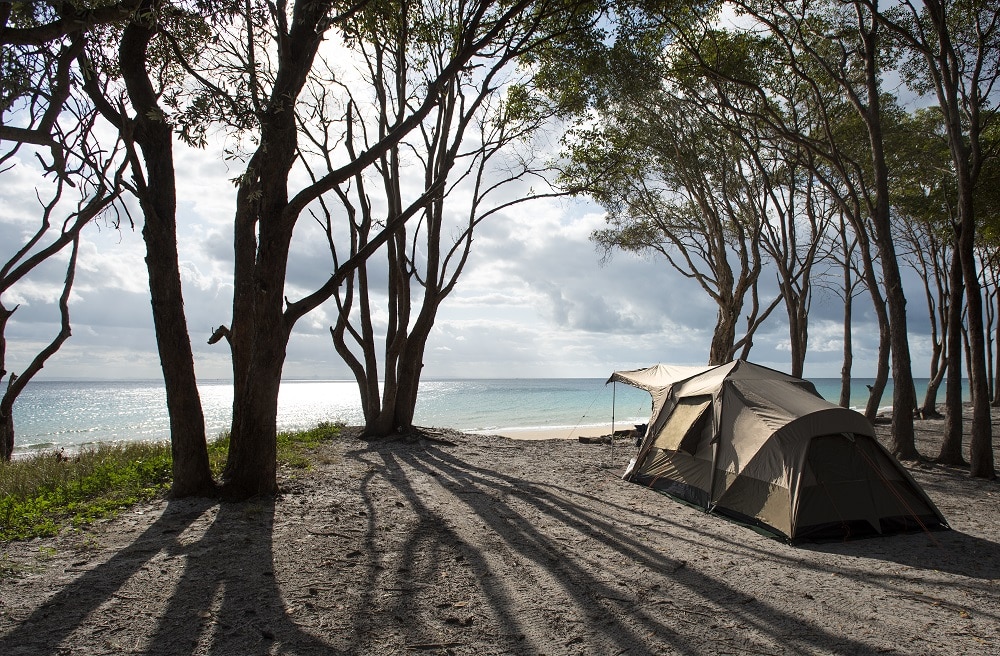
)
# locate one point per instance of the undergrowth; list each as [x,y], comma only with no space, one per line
[42,494]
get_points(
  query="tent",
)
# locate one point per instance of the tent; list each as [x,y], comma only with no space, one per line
[764,448]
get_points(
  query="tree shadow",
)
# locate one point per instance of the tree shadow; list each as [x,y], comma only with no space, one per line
[53,621]
[227,600]
[949,551]
[651,612]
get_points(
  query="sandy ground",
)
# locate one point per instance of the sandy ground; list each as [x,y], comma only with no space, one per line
[564,433]
[470,544]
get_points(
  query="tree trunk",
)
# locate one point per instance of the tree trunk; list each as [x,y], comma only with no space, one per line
[877,388]
[724,336]
[961,107]
[262,235]
[904,400]
[988,328]
[981,460]
[938,371]
[188,445]
[938,305]
[411,362]
[251,467]
[996,366]
[409,386]
[798,329]
[158,198]
[259,335]
[6,398]
[951,444]
[6,434]
[845,369]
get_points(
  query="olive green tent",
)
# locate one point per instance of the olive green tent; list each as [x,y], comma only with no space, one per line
[765,448]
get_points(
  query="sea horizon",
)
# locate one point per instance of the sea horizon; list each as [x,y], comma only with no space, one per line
[73,413]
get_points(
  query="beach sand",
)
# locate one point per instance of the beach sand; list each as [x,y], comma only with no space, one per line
[449,543]
[562,433]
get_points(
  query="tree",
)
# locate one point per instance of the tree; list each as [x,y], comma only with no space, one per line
[988,218]
[132,26]
[956,52]
[792,237]
[837,47]
[146,76]
[844,243]
[678,182]
[924,212]
[43,246]
[267,59]
[990,279]
[481,117]
[41,116]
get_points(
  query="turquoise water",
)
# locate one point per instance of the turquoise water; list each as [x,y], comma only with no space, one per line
[68,414]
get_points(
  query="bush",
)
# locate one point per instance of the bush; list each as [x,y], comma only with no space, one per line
[42,493]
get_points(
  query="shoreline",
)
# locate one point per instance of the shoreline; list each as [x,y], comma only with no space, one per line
[555,433]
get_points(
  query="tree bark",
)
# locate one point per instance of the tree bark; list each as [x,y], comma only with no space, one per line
[959,88]
[259,335]
[904,401]
[951,444]
[981,459]
[877,388]
[845,368]
[996,366]
[723,337]
[262,236]
[6,436]
[6,407]
[939,369]
[158,198]
[6,402]
[798,332]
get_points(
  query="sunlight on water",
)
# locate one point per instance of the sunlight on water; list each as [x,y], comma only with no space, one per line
[70,414]
[303,404]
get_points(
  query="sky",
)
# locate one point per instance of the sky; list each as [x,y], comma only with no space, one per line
[536,298]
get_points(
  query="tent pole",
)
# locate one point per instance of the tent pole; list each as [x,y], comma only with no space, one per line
[614,390]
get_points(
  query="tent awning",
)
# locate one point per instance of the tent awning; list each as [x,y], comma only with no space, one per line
[657,377]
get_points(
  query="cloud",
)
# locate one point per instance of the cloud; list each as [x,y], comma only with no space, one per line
[535,298]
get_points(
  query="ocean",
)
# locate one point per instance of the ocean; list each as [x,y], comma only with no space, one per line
[71,414]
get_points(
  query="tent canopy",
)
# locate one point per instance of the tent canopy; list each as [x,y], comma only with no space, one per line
[657,379]
[765,448]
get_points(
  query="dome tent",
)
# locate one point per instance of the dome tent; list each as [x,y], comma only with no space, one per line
[764,448]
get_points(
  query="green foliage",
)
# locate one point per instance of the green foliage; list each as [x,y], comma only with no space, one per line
[42,494]
[988,186]
[614,49]
[924,188]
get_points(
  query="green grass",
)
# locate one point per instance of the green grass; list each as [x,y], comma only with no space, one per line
[297,449]
[42,494]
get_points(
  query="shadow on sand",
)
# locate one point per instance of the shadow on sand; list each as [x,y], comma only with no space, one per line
[949,551]
[524,555]
[225,601]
